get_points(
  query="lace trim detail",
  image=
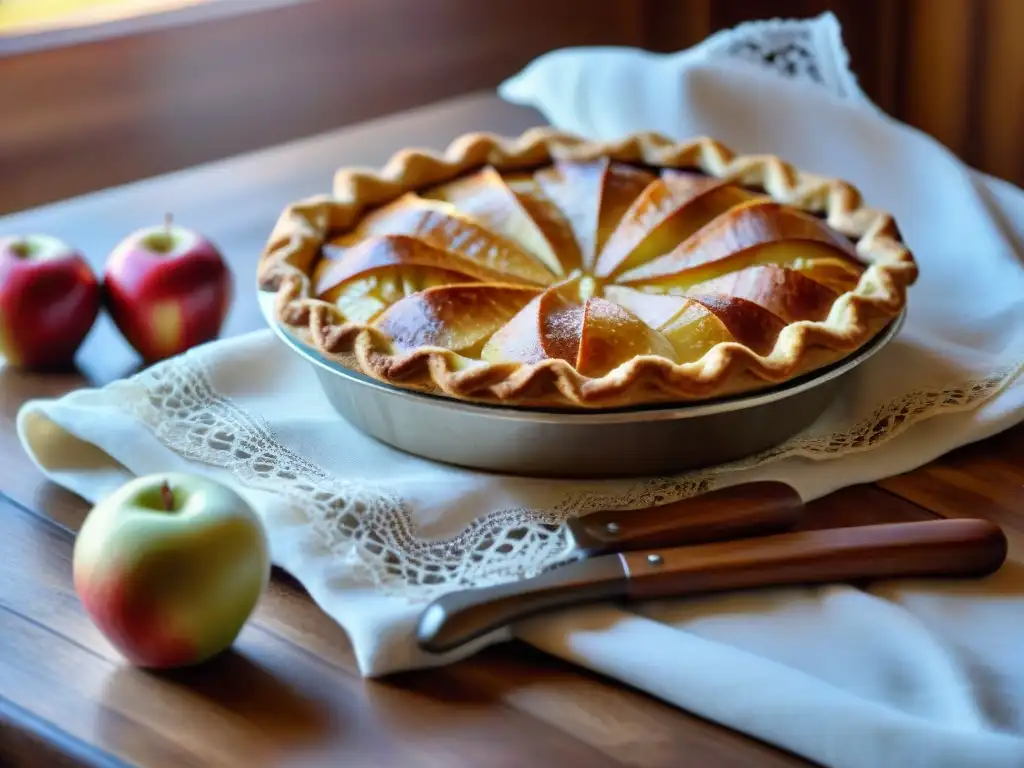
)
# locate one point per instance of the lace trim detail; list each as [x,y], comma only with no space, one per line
[371,531]
[793,57]
[809,50]
[890,420]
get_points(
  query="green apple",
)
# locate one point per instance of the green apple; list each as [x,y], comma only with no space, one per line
[170,567]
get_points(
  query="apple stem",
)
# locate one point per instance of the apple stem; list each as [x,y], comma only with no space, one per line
[168,221]
[168,496]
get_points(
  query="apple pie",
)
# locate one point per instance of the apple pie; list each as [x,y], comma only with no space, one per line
[550,270]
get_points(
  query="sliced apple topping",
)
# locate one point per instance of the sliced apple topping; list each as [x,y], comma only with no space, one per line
[669,210]
[578,204]
[783,292]
[589,262]
[690,327]
[756,232]
[612,335]
[653,309]
[377,253]
[622,186]
[456,317]
[547,328]
[561,326]
[362,299]
[747,322]
[695,324]
[486,198]
[695,330]
[382,270]
[595,336]
[441,225]
[549,218]
[576,189]
[841,275]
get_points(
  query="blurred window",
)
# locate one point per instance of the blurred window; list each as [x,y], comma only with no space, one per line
[28,16]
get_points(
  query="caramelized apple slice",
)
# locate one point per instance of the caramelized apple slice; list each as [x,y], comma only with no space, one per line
[786,254]
[439,224]
[363,298]
[783,292]
[382,270]
[694,330]
[549,218]
[695,324]
[378,253]
[757,232]
[576,189]
[456,317]
[841,275]
[578,205]
[690,327]
[486,198]
[655,310]
[613,335]
[748,323]
[669,210]
[547,328]
[622,186]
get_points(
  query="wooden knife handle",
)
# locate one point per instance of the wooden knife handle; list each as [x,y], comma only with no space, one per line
[750,509]
[931,548]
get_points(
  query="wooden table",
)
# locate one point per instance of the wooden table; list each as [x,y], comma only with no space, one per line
[289,691]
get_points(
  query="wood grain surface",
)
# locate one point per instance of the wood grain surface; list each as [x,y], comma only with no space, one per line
[289,692]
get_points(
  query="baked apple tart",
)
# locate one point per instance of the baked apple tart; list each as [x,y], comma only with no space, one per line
[554,271]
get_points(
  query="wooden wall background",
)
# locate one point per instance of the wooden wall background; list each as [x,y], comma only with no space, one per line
[82,117]
[953,68]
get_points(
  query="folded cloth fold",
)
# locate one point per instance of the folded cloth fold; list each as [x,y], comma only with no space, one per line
[903,674]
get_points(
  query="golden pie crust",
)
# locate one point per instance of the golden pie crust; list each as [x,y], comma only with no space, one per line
[551,270]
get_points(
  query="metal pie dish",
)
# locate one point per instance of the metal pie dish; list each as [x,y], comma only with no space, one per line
[635,441]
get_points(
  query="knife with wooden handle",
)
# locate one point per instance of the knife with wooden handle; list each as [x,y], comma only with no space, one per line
[749,509]
[949,548]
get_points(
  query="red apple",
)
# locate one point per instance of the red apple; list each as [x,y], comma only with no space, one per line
[167,289]
[169,567]
[49,300]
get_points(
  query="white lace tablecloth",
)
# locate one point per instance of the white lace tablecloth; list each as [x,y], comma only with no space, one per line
[903,674]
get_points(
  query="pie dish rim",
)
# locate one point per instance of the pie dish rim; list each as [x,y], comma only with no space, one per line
[654,411]
[591,444]
[293,246]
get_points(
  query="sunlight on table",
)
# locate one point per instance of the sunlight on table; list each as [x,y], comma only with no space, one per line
[27,16]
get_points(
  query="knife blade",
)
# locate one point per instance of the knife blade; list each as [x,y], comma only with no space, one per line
[749,509]
[953,547]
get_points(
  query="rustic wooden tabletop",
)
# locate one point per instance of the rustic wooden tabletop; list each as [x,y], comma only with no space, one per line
[289,692]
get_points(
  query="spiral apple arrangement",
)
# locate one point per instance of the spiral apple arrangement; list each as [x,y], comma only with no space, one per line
[166,287]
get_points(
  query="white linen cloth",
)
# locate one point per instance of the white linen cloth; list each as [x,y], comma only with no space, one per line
[904,674]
